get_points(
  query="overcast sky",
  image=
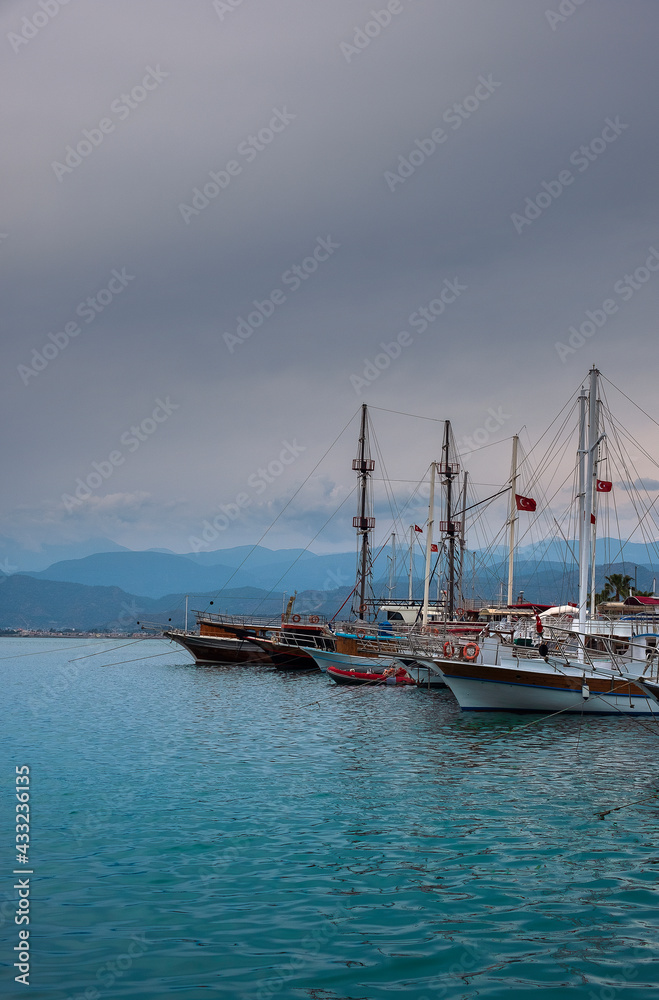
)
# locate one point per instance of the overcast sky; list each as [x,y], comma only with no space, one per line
[401,148]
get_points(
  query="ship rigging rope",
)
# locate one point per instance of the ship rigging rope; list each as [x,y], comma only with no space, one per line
[605,379]
[552,447]
[112,648]
[289,568]
[572,401]
[618,432]
[626,805]
[39,652]
[284,508]
[168,652]
[544,459]
[396,513]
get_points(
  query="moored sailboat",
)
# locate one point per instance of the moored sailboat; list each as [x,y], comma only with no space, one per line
[593,667]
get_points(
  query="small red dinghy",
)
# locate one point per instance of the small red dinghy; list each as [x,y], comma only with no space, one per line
[391,676]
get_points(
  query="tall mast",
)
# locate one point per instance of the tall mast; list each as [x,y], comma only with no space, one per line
[409,588]
[513,518]
[583,533]
[593,494]
[448,470]
[588,453]
[463,517]
[431,521]
[363,465]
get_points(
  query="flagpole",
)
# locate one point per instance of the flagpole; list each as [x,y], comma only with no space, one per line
[513,519]
[409,589]
[431,519]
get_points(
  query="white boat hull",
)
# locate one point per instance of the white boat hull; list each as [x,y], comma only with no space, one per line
[489,695]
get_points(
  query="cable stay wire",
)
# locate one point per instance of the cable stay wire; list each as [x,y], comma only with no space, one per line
[284,508]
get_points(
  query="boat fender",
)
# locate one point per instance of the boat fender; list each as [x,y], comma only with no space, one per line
[449,650]
[585,691]
[470,651]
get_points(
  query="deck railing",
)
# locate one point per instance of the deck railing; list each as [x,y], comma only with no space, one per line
[259,621]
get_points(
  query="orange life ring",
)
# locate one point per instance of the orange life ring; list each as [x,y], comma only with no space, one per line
[314,619]
[296,618]
[475,650]
[459,611]
[449,650]
[361,635]
[363,608]
[435,631]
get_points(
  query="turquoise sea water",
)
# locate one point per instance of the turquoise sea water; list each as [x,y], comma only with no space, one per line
[262,835]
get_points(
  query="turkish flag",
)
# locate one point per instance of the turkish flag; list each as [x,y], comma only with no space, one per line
[593,519]
[417,528]
[524,503]
[433,548]
[538,625]
[604,486]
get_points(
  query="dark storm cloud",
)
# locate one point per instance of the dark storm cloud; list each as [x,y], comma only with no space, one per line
[212,154]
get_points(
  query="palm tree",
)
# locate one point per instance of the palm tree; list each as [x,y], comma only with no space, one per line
[605,594]
[619,583]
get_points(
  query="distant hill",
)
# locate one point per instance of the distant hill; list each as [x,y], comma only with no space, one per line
[43,604]
[150,574]
[154,574]
[29,603]
[257,555]
[608,551]
[154,581]
[19,558]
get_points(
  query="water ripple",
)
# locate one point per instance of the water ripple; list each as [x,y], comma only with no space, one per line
[262,836]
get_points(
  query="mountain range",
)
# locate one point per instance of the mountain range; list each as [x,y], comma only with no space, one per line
[112,589]
[155,573]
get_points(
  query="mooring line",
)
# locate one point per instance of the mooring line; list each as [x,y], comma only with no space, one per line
[110,650]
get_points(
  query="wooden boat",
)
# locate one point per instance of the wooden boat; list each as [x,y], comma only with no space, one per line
[235,639]
[288,649]
[217,642]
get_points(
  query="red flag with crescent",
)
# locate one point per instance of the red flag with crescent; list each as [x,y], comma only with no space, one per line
[525,503]
[604,486]
[417,528]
